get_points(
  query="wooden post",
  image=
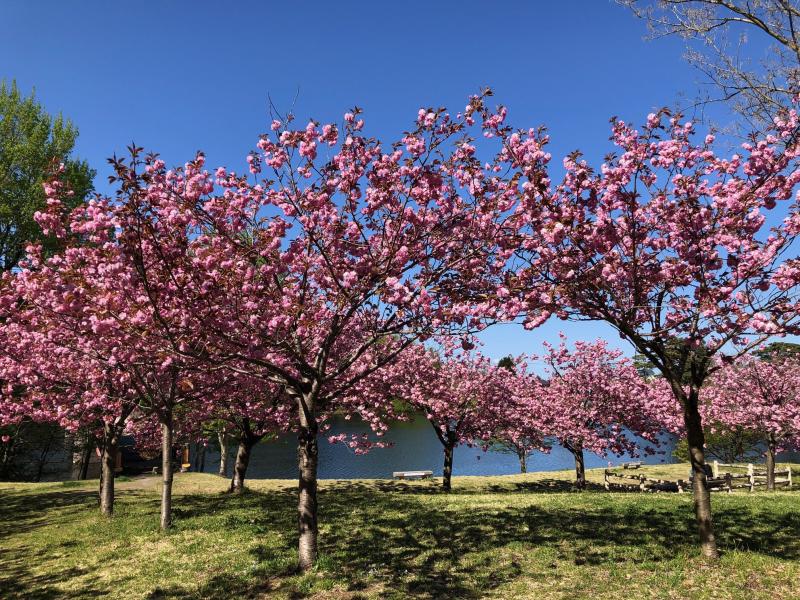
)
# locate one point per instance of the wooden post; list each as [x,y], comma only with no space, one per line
[117,461]
[185,464]
[605,480]
[729,482]
[715,469]
[789,477]
[751,475]
[642,480]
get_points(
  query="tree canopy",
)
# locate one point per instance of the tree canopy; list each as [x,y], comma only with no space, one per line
[32,144]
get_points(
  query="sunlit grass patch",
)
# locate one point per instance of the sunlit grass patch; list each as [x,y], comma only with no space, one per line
[524,536]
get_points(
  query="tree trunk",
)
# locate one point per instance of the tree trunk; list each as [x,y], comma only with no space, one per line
[448,467]
[201,458]
[86,456]
[107,474]
[8,453]
[198,454]
[223,453]
[242,461]
[700,491]
[580,467]
[771,462]
[43,456]
[194,455]
[166,469]
[307,502]
[70,442]
[523,461]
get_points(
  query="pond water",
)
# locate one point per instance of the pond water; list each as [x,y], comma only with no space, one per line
[415,447]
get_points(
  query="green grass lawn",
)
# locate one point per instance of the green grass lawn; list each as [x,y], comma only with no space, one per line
[525,536]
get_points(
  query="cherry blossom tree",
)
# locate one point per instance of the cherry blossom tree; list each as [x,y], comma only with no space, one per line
[462,394]
[667,240]
[313,277]
[595,400]
[759,396]
[54,370]
[252,409]
[520,428]
[119,284]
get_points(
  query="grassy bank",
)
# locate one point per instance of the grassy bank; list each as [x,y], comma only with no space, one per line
[503,537]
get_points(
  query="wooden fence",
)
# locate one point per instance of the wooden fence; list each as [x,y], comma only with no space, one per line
[644,483]
[727,481]
[755,476]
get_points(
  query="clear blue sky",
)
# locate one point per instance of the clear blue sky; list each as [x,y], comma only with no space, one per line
[180,76]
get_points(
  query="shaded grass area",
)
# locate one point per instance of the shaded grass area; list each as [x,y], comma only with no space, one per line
[520,536]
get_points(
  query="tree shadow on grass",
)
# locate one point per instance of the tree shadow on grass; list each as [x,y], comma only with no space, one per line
[390,538]
[419,549]
[544,486]
[404,542]
[17,580]
[24,512]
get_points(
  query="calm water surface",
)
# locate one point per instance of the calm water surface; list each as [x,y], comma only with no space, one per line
[415,447]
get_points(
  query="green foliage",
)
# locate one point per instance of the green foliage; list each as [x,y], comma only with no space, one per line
[401,406]
[31,142]
[726,444]
[644,366]
[683,359]
[507,362]
[778,350]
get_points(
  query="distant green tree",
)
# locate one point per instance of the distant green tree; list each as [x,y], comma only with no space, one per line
[778,350]
[31,142]
[507,362]
[683,357]
[726,444]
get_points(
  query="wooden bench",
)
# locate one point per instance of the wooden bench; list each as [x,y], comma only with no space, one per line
[412,474]
[632,465]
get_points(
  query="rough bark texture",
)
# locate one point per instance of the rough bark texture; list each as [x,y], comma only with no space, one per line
[44,454]
[199,457]
[447,473]
[201,461]
[523,461]
[85,458]
[107,475]
[240,467]
[307,501]
[580,467]
[308,460]
[771,462]
[166,470]
[223,453]
[702,496]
